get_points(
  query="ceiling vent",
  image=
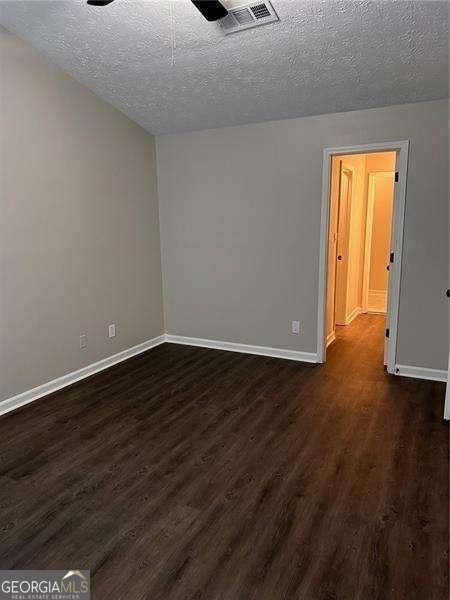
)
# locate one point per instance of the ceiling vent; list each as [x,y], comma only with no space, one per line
[248,15]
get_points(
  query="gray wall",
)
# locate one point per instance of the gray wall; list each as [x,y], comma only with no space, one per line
[240,219]
[79,231]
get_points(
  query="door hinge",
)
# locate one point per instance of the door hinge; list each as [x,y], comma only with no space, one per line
[387,333]
[391,257]
[396,176]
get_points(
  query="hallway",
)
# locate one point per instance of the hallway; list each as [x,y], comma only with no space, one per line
[188,473]
[359,348]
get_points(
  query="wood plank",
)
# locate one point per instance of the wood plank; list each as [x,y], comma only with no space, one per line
[188,473]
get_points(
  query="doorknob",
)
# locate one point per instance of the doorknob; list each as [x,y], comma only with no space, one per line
[339,257]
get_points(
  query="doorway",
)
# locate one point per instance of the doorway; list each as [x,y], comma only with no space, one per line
[363,203]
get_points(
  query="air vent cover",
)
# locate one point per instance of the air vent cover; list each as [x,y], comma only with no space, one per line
[243,16]
[248,15]
[260,11]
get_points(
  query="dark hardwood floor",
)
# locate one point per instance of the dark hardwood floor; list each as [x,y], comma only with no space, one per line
[188,473]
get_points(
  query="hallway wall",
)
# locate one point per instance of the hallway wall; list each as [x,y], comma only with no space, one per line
[380,162]
[381,234]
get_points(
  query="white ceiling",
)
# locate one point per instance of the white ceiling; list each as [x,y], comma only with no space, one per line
[323,56]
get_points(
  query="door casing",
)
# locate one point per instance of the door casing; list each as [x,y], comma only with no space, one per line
[402,150]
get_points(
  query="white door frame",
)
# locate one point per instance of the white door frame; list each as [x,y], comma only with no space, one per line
[402,149]
[368,240]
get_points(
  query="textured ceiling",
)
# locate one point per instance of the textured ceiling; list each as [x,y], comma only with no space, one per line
[321,57]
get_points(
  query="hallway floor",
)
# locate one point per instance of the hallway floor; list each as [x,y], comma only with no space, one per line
[187,473]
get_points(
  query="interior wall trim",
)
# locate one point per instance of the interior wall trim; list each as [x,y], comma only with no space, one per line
[310,357]
[421,373]
[61,382]
[377,301]
[331,337]
[352,316]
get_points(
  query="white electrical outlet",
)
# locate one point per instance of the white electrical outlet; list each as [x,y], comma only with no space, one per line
[83,340]
[112,330]
[295,327]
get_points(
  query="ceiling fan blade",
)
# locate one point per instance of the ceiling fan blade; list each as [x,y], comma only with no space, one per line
[99,2]
[212,10]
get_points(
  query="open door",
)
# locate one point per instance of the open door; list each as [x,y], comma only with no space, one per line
[332,250]
[343,235]
[386,182]
[390,267]
[338,246]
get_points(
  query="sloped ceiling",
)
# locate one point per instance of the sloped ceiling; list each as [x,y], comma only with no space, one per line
[167,68]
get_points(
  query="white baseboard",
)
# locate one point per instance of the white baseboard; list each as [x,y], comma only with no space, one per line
[377,301]
[421,373]
[330,338]
[310,357]
[355,312]
[62,382]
